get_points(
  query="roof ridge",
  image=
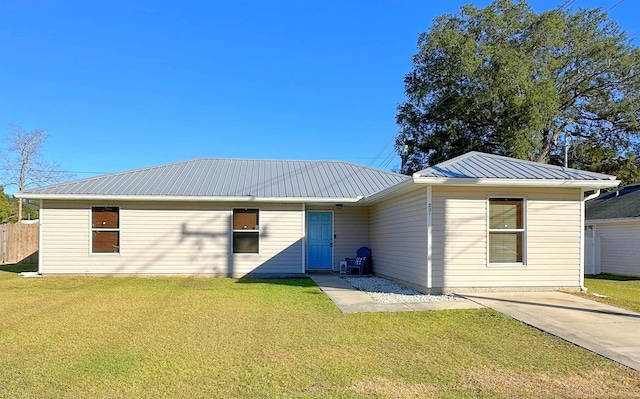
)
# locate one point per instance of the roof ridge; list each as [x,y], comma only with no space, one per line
[510,160]
[370,168]
[112,174]
[148,179]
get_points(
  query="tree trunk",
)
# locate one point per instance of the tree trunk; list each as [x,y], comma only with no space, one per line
[543,157]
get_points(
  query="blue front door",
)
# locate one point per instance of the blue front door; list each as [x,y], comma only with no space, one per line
[320,240]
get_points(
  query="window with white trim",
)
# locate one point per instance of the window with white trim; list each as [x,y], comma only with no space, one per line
[246,231]
[506,230]
[105,229]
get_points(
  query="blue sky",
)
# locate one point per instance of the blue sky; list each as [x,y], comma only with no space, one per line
[127,84]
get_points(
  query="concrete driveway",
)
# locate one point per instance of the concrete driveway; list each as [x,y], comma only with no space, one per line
[609,331]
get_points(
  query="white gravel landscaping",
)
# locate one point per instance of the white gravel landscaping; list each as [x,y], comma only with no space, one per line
[385,291]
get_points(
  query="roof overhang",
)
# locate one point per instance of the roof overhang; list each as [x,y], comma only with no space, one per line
[168,198]
[399,188]
[416,181]
[497,182]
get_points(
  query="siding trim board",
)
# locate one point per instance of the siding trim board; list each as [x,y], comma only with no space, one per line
[303,234]
[429,237]
[41,237]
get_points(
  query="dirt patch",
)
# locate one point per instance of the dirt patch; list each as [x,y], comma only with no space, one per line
[594,384]
[385,388]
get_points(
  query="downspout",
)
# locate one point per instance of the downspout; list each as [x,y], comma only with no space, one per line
[582,217]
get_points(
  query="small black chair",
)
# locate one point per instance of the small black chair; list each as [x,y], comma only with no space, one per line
[362,261]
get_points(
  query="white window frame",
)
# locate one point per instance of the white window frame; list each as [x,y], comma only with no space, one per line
[523,230]
[92,229]
[233,231]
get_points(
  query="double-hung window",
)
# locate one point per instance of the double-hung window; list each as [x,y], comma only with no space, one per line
[246,231]
[506,230]
[105,229]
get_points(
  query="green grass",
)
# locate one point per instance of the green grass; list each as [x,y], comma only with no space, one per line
[622,291]
[223,338]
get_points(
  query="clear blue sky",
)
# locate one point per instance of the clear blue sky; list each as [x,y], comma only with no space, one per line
[125,84]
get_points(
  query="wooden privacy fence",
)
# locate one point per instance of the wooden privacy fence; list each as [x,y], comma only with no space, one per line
[19,242]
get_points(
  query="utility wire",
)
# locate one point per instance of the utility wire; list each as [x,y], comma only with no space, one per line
[634,35]
[614,6]
[379,154]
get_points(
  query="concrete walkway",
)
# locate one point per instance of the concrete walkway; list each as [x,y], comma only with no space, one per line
[606,330]
[350,300]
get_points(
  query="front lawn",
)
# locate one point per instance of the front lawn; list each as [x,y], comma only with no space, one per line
[224,338]
[621,291]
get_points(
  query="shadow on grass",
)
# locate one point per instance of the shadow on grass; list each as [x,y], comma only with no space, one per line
[612,277]
[18,267]
[288,281]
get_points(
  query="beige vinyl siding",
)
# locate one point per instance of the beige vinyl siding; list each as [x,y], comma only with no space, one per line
[350,228]
[185,238]
[619,247]
[399,237]
[552,239]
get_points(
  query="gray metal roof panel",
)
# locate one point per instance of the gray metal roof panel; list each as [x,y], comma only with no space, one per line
[209,177]
[478,165]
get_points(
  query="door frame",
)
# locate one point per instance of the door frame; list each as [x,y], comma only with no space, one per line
[333,240]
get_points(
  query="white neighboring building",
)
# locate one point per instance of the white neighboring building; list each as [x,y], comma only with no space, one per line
[612,242]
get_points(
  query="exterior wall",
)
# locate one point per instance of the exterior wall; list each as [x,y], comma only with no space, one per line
[171,238]
[619,247]
[399,237]
[552,239]
[350,228]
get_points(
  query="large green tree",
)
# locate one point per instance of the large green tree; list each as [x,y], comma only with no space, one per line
[506,80]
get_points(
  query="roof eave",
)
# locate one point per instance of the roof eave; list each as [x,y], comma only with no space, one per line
[389,191]
[613,220]
[498,182]
[169,198]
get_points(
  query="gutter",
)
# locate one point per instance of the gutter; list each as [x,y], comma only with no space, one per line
[172,198]
[506,182]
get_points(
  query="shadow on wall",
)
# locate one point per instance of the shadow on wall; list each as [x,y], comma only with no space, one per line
[200,238]
[208,250]
[286,263]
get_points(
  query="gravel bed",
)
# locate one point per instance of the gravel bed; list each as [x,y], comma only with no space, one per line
[385,291]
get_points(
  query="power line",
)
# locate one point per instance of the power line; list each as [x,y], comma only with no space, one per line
[614,6]
[379,154]
[567,3]
[634,35]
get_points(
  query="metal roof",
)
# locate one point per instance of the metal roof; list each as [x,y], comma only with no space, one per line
[478,165]
[622,203]
[208,177]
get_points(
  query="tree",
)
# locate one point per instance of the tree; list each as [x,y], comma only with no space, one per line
[7,207]
[505,80]
[23,164]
